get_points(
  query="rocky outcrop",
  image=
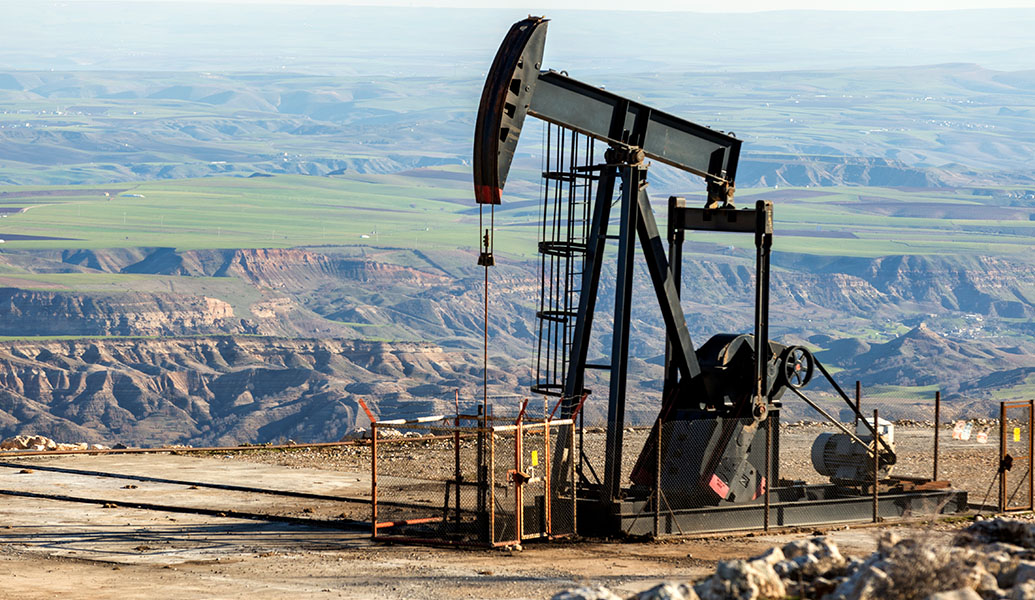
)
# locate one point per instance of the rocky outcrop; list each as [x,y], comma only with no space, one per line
[48,313]
[982,285]
[279,267]
[223,390]
[408,295]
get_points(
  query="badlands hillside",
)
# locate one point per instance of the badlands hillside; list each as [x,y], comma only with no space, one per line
[259,345]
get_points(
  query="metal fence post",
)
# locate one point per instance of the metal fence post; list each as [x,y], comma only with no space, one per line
[1002,456]
[937,423]
[548,495]
[876,461]
[491,476]
[519,502]
[574,492]
[657,480]
[458,472]
[768,472]
[373,480]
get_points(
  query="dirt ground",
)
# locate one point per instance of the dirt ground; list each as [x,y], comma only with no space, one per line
[99,548]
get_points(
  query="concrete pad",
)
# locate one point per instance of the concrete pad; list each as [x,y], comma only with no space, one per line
[128,535]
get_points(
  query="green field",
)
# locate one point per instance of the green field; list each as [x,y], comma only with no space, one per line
[284,211]
[433,208]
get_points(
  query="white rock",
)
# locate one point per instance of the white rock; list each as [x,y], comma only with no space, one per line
[388,433]
[798,548]
[864,584]
[28,442]
[742,580]
[1010,531]
[771,556]
[668,591]
[809,558]
[587,593]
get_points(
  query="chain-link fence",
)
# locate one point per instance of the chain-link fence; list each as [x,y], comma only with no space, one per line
[464,481]
[963,451]
[490,481]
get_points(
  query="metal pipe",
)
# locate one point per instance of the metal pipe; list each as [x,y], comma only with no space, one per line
[384,524]
[183,482]
[830,418]
[871,426]
[343,524]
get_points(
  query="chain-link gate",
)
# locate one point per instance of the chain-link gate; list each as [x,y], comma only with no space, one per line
[1015,449]
[453,481]
[531,494]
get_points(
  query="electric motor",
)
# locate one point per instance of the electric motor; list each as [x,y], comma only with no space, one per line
[842,459]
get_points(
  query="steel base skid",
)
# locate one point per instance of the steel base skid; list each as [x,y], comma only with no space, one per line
[789,507]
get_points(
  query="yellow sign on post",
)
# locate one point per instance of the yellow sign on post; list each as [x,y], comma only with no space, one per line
[1016,434]
[535,458]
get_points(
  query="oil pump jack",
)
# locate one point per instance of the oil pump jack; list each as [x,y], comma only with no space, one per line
[722,399]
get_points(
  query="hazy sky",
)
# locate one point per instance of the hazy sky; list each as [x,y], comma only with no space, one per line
[672,5]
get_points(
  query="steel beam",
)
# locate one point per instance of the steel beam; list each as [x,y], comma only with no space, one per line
[635,516]
[666,289]
[720,219]
[631,181]
[763,248]
[592,264]
[619,121]
[675,264]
